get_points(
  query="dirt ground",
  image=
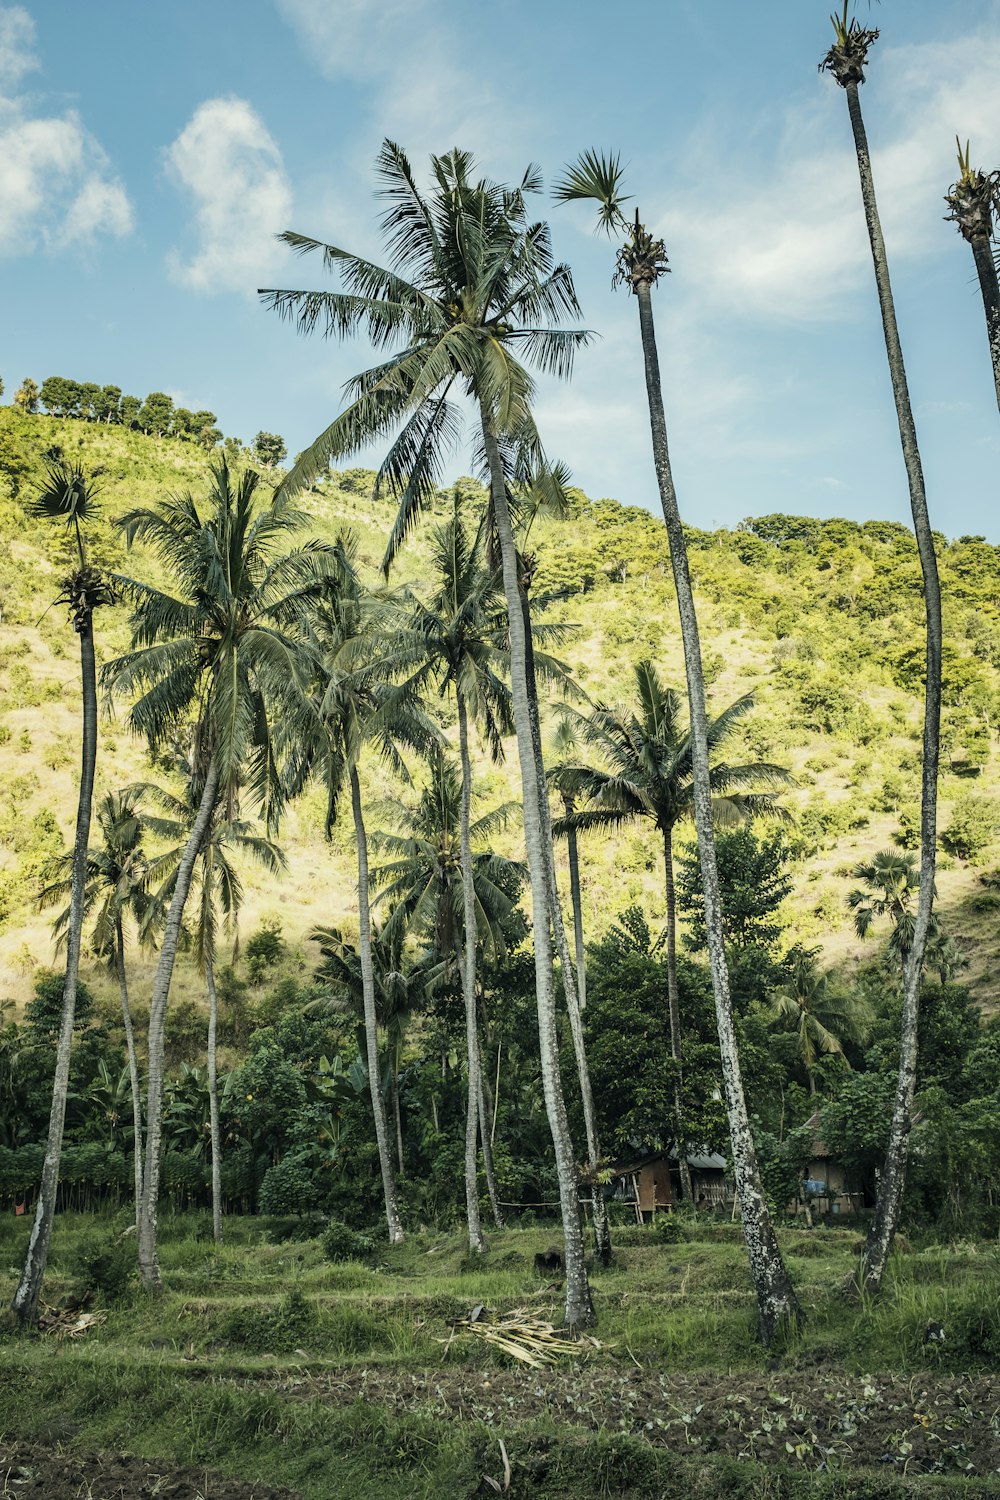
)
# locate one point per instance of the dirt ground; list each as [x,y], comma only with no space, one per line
[31,1471]
[923,1424]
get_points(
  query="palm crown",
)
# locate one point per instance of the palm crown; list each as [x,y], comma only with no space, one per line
[470,297]
[225,649]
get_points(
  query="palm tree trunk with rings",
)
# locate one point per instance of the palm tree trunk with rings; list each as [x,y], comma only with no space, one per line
[393,1221]
[893,1179]
[24,1307]
[776,1301]
[579,1307]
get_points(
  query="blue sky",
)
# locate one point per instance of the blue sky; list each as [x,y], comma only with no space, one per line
[149,153]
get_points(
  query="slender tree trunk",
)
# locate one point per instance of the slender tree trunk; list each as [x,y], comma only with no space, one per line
[213,1099]
[149,1266]
[133,1063]
[476,1242]
[486,1138]
[579,1307]
[393,1221]
[674,1006]
[602,1232]
[890,1193]
[990,288]
[577,904]
[397,1118]
[24,1307]
[487,1115]
[776,1300]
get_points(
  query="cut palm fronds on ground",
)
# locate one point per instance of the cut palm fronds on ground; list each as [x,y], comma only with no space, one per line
[69,1323]
[520,1333]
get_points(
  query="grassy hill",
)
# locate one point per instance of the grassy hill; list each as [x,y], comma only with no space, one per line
[821,620]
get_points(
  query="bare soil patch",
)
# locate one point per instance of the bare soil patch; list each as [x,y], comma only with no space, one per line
[921,1424]
[35,1472]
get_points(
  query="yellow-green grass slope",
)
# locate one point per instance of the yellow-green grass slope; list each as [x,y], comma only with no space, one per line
[821,621]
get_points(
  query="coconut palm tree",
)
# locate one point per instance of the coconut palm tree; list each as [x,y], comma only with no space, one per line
[224,650]
[471,293]
[358,647]
[219,894]
[69,497]
[117,871]
[426,882]
[640,263]
[401,990]
[973,200]
[463,629]
[650,776]
[824,1015]
[846,61]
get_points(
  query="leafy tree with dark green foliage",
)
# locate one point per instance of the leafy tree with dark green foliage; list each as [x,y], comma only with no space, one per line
[70,498]
[269,449]
[156,413]
[754,879]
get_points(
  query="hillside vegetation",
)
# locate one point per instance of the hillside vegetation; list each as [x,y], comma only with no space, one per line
[820,620]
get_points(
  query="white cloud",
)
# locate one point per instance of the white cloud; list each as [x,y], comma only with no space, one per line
[794,240]
[17,33]
[420,95]
[226,159]
[56,184]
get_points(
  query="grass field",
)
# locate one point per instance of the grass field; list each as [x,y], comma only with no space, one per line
[269,1364]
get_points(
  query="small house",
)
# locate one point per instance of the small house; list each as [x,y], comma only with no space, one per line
[825,1188]
[651,1182]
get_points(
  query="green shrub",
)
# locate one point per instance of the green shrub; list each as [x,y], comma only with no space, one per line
[274,1330]
[973,825]
[341,1242]
[105,1266]
[264,949]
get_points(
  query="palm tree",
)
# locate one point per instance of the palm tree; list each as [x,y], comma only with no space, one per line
[427,885]
[973,200]
[651,776]
[472,290]
[117,871]
[70,497]
[640,263]
[400,991]
[224,650]
[824,1015]
[355,653]
[891,882]
[846,61]
[463,628]
[219,893]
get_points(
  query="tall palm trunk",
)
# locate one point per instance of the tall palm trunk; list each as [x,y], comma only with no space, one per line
[573,856]
[776,1300]
[393,1220]
[674,1007]
[893,1179]
[133,1063]
[476,1242]
[486,1136]
[579,1307]
[213,1097]
[602,1232]
[149,1266]
[990,287]
[24,1307]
